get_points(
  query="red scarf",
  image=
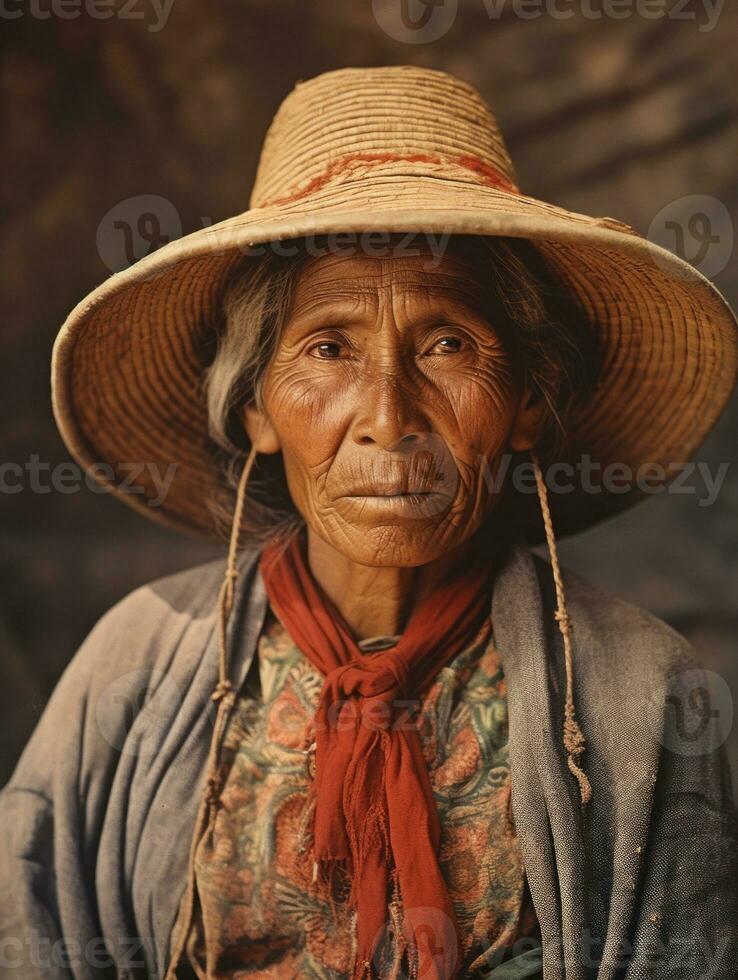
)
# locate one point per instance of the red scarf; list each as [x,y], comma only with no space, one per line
[375,815]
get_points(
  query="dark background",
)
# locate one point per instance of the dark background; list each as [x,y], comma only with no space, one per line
[610,117]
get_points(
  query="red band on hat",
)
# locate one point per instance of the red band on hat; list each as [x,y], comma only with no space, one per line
[483,171]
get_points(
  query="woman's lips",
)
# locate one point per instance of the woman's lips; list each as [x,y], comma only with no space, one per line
[391,488]
[419,483]
[418,504]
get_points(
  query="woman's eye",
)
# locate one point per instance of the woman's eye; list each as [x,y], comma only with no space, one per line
[447,345]
[326,349]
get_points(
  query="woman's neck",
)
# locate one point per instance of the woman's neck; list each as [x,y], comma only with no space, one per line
[377,601]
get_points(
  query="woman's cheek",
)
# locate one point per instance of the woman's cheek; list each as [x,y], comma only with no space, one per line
[292,398]
[306,413]
[483,409]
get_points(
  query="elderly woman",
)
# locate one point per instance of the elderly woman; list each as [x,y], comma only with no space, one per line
[383,738]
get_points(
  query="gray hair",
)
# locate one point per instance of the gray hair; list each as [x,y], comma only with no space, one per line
[552,347]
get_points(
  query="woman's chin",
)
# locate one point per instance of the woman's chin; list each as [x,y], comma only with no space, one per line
[393,540]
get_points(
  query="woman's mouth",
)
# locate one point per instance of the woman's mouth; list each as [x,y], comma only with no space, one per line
[411,503]
[421,485]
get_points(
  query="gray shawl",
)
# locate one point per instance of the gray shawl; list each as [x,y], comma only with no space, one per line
[96,822]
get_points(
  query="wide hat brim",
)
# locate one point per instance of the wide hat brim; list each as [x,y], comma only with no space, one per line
[128,363]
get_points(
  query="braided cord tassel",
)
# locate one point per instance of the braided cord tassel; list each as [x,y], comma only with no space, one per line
[573,737]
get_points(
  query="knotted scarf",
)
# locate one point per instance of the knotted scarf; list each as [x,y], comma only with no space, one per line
[375,816]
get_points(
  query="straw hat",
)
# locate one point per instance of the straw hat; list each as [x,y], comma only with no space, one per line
[387,149]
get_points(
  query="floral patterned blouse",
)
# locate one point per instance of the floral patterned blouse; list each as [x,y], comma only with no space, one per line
[261,914]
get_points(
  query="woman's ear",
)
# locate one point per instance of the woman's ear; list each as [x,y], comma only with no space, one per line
[528,422]
[262,434]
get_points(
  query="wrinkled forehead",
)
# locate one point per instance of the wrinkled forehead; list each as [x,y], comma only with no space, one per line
[423,274]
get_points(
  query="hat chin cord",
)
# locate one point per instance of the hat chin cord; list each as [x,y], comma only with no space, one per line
[573,739]
[223,695]
[227,589]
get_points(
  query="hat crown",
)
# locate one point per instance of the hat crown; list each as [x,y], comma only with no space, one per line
[347,125]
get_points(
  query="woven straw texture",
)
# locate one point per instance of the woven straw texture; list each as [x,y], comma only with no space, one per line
[387,149]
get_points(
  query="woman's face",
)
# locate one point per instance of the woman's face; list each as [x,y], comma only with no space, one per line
[391,398]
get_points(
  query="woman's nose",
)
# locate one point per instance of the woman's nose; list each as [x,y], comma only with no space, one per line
[390,415]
